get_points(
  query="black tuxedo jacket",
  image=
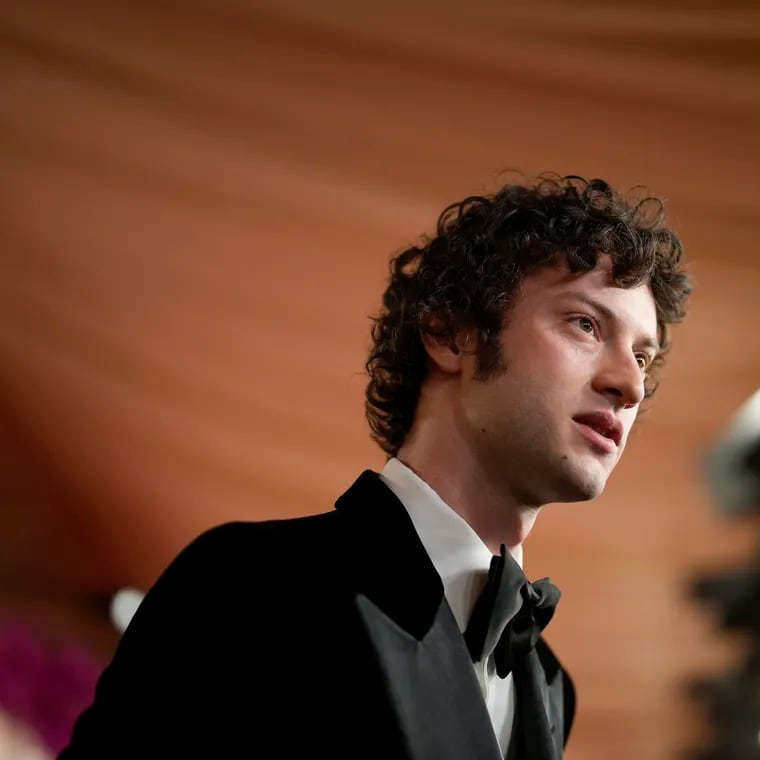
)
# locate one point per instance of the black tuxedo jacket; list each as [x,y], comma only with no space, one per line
[324,636]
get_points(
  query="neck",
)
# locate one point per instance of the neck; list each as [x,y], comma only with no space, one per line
[435,451]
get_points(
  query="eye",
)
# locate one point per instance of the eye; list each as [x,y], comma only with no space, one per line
[586,324]
[643,362]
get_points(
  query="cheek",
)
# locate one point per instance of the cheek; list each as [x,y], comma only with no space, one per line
[557,356]
[628,418]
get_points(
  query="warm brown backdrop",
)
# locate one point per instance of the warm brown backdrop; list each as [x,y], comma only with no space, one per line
[199,201]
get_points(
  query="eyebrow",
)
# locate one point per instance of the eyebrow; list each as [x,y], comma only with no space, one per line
[646,341]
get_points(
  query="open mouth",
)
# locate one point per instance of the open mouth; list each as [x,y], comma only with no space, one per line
[602,429]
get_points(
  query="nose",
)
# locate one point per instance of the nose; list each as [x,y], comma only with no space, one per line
[621,379]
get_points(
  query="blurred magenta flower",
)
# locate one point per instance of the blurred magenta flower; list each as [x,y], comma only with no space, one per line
[44,684]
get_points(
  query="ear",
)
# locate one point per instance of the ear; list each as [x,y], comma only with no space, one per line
[446,353]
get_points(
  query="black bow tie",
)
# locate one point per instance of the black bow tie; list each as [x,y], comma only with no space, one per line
[509,596]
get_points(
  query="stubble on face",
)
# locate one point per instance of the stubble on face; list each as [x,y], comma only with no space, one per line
[520,419]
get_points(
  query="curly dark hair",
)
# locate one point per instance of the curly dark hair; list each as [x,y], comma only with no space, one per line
[467,275]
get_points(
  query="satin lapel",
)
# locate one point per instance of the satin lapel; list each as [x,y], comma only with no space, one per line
[425,666]
[560,692]
[542,712]
[432,687]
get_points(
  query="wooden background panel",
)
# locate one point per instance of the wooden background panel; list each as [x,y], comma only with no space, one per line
[199,202]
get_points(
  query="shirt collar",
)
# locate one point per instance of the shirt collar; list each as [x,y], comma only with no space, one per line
[457,552]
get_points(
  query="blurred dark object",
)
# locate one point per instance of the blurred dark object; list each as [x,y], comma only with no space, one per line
[734,595]
[730,701]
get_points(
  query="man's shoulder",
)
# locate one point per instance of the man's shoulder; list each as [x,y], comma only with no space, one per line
[241,549]
[252,538]
[230,558]
[231,535]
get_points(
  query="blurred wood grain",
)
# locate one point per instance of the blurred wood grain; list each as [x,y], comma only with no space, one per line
[199,202]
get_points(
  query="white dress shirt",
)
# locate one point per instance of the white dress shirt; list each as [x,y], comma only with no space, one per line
[462,560]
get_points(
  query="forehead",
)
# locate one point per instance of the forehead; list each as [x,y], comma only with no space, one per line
[555,285]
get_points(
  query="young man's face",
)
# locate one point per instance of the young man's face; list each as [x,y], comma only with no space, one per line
[553,424]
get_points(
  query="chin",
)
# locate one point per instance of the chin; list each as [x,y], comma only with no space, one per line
[569,491]
[566,481]
[583,486]
[590,491]
[591,477]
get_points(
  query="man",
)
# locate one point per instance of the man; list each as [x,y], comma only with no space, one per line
[509,361]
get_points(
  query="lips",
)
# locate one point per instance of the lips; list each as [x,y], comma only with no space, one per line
[606,424]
